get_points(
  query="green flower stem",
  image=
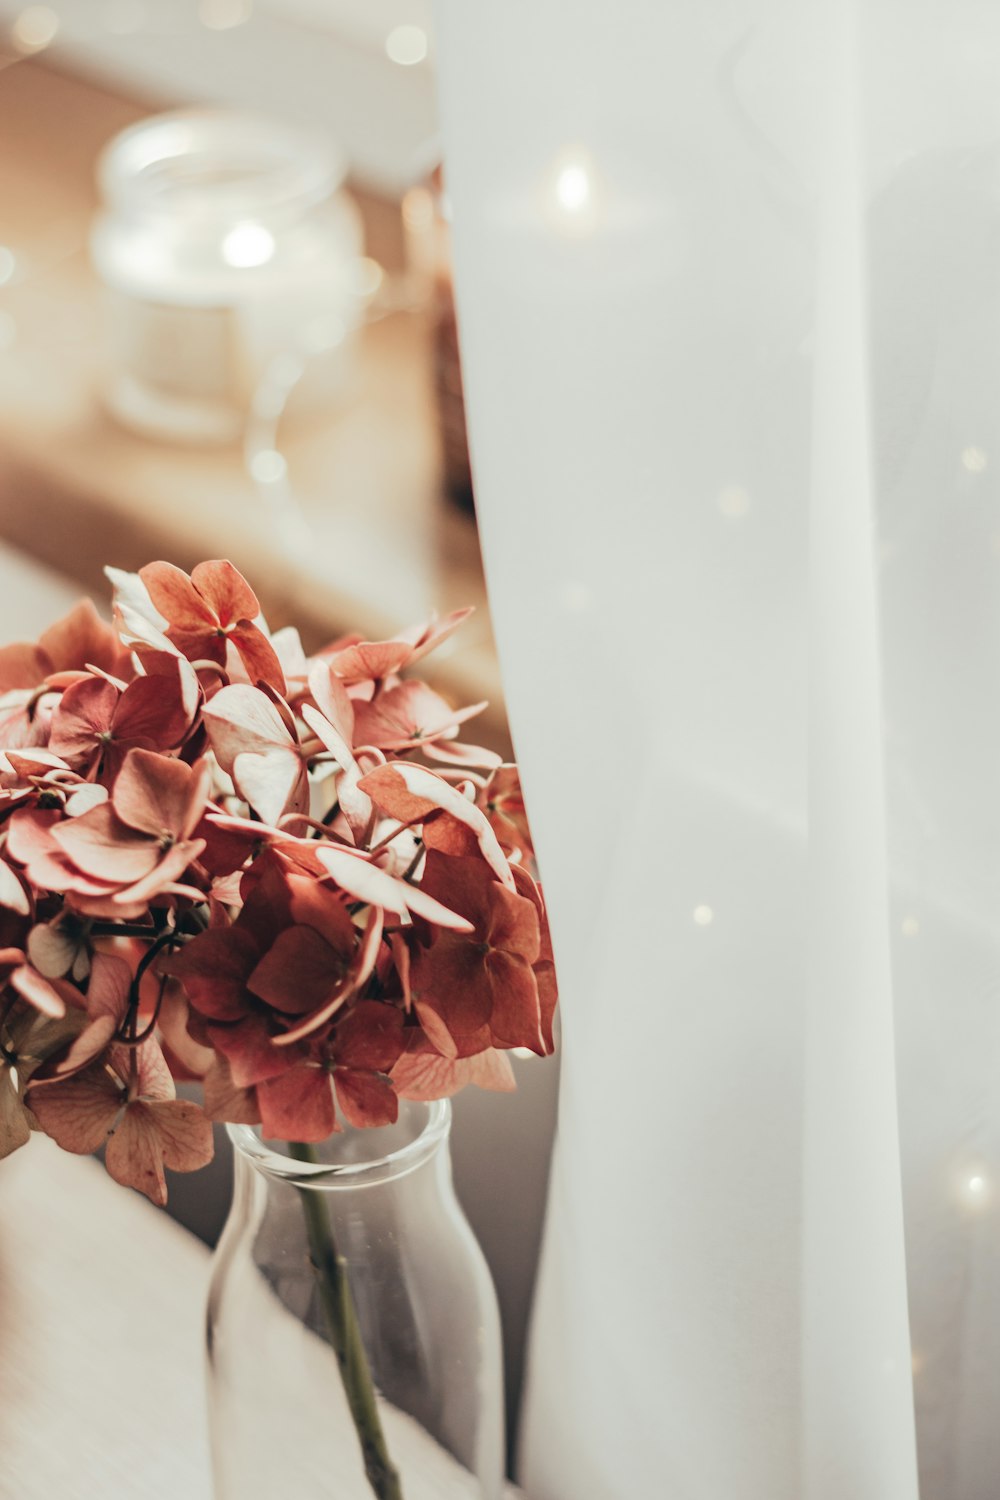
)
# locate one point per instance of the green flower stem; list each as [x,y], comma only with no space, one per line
[344,1334]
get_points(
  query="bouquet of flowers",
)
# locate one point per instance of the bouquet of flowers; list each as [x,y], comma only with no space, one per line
[221,860]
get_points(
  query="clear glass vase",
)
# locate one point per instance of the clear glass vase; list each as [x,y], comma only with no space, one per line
[353,1332]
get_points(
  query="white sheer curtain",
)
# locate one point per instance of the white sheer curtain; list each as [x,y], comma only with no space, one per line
[729,291]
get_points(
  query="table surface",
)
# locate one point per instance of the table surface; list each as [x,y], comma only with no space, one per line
[102,1302]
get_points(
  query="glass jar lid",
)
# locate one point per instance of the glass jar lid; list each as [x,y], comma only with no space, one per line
[217,165]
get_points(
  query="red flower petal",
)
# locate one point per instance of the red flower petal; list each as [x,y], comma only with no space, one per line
[369,1036]
[258,655]
[178,600]
[361,968]
[314,905]
[365,1099]
[214,968]
[251,1052]
[298,1106]
[225,591]
[81,639]
[154,709]
[22,666]
[299,973]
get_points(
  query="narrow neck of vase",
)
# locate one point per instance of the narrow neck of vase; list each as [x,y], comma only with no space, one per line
[353,1158]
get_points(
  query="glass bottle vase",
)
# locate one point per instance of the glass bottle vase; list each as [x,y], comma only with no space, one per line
[353,1332]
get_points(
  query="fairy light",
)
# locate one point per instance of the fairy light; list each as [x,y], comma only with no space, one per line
[909,927]
[572,201]
[366,276]
[247,245]
[974,460]
[704,916]
[733,502]
[34,29]
[572,188]
[406,45]
[975,1189]
[418,210]
[268,466]
[8,264]
[324,333]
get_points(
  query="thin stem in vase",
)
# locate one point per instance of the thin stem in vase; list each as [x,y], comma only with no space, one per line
[344,1334]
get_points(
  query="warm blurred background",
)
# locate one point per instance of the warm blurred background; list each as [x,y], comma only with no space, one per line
[241,342]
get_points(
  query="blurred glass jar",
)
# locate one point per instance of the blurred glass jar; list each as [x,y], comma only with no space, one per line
[226,244]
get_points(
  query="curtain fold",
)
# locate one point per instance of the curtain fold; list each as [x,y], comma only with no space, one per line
[730,320]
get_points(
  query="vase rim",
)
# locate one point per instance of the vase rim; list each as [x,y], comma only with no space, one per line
[327,1176]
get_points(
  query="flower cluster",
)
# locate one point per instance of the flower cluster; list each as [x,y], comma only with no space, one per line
[285,877]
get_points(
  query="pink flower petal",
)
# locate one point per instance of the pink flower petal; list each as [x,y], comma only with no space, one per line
[258,655]
[176,1134]
[329,736]
[274,783]
[78,1112]
[101,845]
[333,702]
[165,875]
[409,791]
[84,714]
[12,892]
[424,1076]
[364,880]
[31,986]
[224,1101]
[240,718]
[160,796]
